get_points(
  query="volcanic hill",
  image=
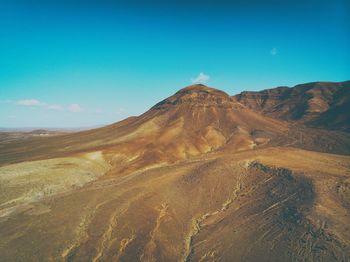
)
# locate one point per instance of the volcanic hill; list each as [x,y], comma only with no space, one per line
[201,176]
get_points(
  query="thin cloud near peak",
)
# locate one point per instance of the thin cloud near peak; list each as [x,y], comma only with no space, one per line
[201,79]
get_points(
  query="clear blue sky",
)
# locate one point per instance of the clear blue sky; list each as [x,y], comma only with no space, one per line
[84,63]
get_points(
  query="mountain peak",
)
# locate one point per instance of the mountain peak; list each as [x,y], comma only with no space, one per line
[198,88]
[198,95]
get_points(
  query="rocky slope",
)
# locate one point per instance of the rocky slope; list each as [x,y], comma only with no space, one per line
[319,104]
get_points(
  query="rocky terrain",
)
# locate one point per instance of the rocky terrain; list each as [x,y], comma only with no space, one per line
[201,176]
[318,104]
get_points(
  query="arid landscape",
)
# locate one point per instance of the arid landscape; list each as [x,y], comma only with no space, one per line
[201,176]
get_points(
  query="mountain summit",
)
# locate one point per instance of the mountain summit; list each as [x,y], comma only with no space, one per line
[198,95]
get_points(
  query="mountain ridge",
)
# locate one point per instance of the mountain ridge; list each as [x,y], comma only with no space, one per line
[315,104]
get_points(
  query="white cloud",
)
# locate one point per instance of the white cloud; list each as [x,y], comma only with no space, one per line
[201,79]
[274,51]
[55,107]
[75,108]
[29,102]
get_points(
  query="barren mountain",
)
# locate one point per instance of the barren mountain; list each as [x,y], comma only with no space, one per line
[195,120]
[201,176]
[319,104]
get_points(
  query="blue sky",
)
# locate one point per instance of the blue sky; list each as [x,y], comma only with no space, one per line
[85,63]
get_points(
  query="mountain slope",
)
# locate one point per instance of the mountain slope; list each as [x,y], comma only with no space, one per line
[198,177]
[318,104]
[195,120]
